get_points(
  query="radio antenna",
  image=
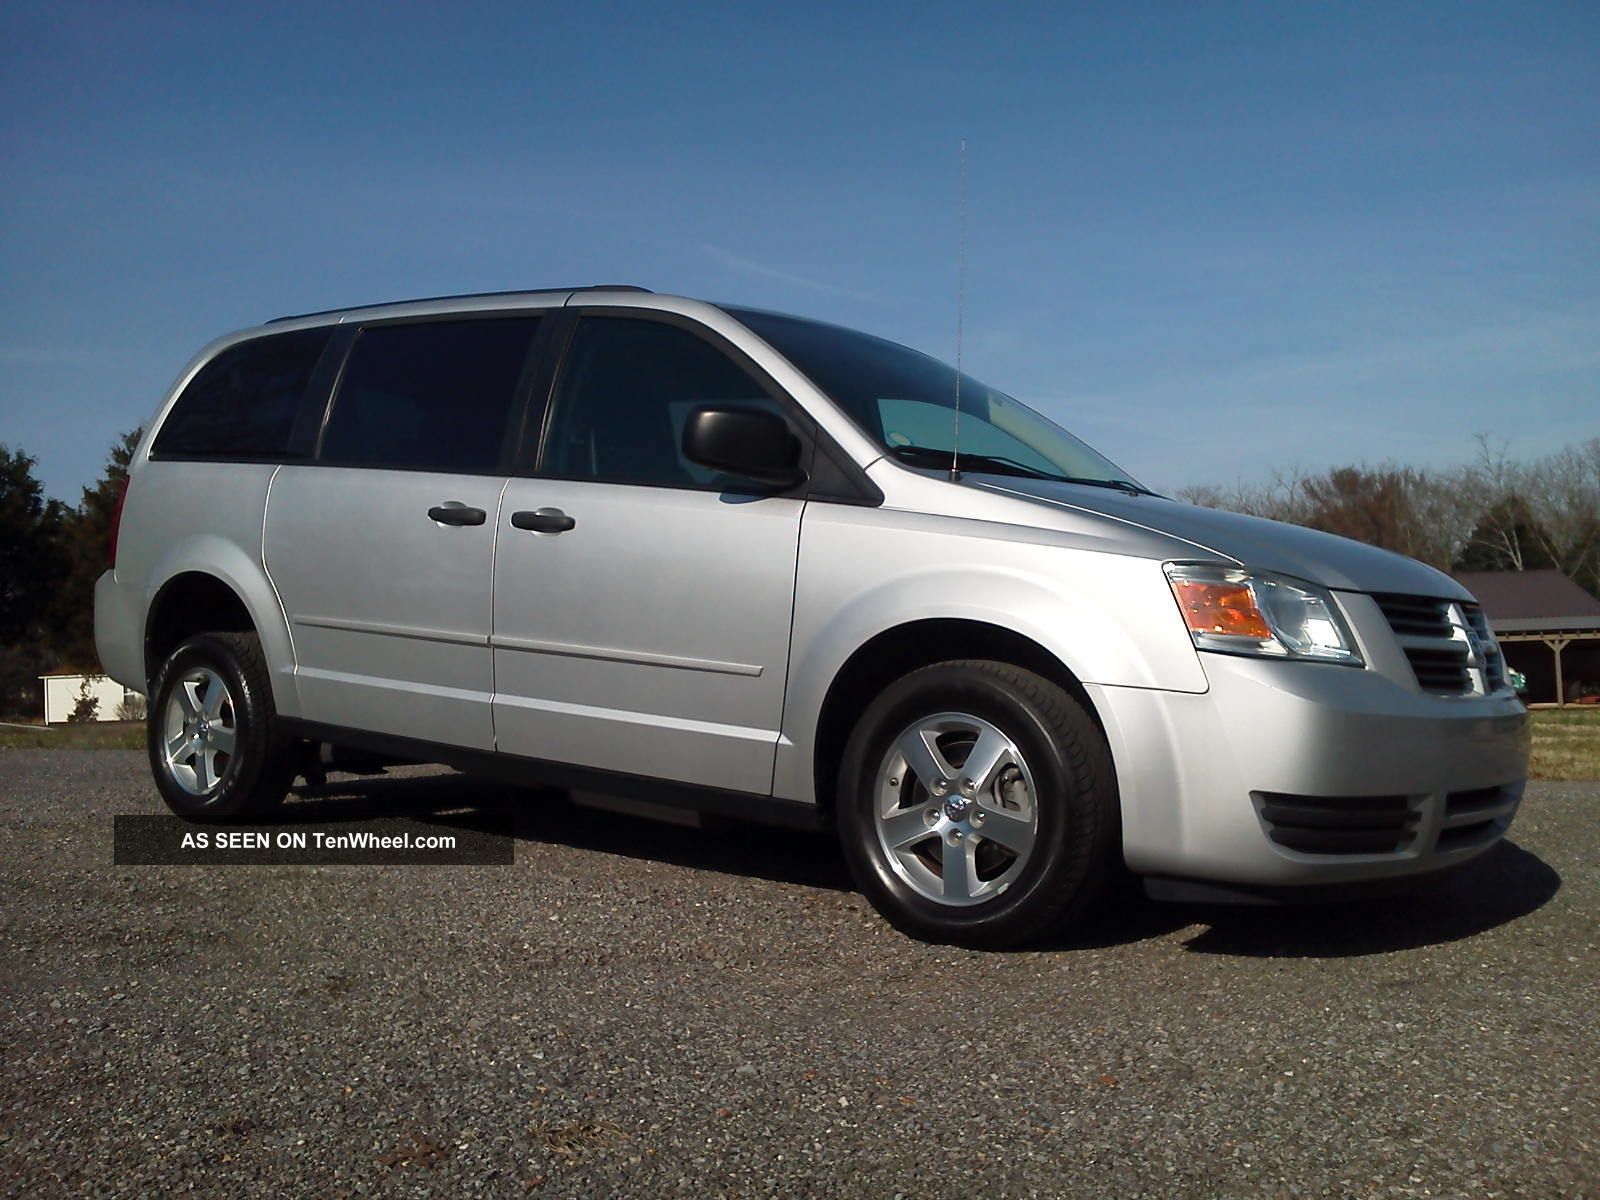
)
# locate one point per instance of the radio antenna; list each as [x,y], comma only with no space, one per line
[961,306]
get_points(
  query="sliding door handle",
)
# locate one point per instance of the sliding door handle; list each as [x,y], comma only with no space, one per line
[543,520]
[453,512]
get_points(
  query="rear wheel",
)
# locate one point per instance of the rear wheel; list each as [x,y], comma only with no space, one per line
[977,804]
[215,747]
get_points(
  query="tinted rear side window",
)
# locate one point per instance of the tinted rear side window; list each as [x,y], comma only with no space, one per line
[242,404]
[432,396]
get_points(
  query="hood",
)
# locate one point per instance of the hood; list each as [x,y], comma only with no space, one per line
[1309,554]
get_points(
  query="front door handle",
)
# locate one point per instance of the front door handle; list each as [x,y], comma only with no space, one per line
[543,520]
[453,512]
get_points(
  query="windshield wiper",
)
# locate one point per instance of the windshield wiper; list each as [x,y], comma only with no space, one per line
[1121,485]
[996,464]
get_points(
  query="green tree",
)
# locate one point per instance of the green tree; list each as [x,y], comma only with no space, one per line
[30,546]
[1507,537]
[32,558]
[1586,555]
[87,707]
[87,539]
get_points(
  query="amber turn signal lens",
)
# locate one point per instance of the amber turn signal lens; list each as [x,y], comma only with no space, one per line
[1225,608]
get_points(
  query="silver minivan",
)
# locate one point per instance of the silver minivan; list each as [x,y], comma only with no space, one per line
[774,569]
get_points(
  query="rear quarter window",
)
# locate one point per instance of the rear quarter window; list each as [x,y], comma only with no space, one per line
[243,403]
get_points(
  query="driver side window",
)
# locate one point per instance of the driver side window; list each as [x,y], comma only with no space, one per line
[626,389]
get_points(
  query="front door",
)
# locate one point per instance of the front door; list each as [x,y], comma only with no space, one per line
[641,605]
[383,549]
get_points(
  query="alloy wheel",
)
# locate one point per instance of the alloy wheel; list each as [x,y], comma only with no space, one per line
[956,813]
[199,731]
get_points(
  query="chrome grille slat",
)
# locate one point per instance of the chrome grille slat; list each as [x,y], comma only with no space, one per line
[1494,661]
[1449,644]
[1416,617]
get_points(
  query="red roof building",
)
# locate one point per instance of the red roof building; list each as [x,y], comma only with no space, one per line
[1548,628]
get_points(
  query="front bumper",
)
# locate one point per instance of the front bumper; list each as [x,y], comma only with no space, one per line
[1304,774]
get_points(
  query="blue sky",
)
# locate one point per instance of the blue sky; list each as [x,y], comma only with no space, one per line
[1213,240]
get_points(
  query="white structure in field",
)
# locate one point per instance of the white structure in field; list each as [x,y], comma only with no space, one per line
[64,687]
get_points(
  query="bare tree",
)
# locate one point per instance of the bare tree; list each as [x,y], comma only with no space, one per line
[1544,513]
[1281,498]
[1503,538]
[1562,492]
[1493,514]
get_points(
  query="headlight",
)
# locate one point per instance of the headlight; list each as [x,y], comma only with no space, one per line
[1235,611]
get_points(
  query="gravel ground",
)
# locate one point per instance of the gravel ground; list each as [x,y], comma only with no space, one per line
[637,1009]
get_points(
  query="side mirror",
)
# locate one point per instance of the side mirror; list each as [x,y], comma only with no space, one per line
[749,442]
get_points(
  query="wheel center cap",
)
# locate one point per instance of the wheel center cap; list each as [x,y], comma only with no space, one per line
[957,807]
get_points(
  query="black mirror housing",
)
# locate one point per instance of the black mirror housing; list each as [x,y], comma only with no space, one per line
[744,441]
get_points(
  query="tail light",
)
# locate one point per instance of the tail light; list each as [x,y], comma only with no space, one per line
[116,525]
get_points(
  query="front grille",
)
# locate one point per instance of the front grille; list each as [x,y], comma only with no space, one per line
[1444,672]
[1448,643]
[1494,663]
[1338,824]
[1416,616]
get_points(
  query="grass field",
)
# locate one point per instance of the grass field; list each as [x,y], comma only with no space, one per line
[95,735]
[1566,742]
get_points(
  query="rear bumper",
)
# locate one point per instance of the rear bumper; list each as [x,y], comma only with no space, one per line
[118,638]
[1305,775]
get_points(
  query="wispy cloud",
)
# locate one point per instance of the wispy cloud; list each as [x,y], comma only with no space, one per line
[739,265]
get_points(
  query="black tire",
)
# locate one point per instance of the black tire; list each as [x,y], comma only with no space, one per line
[256,776]
[1076,840]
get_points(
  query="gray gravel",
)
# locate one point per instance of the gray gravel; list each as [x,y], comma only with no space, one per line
[637,1009]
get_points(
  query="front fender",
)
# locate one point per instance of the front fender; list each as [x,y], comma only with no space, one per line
[1109,619]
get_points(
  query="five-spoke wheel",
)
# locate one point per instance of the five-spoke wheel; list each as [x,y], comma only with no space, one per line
[976,804]
[199,731]
[214,740]
[956,811]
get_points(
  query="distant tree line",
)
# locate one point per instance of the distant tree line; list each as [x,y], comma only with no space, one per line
[51,553]
[1493,514]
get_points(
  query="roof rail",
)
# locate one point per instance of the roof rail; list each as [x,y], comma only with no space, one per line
[591,287]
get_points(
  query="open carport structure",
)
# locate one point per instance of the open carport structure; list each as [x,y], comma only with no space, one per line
[1548,628]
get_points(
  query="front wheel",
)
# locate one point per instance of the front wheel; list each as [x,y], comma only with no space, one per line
[977,805]
[215,748]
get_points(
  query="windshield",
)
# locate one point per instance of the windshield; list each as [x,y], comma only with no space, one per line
[905,401]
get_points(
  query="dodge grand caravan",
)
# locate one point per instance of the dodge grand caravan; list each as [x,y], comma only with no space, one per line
[775,569]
